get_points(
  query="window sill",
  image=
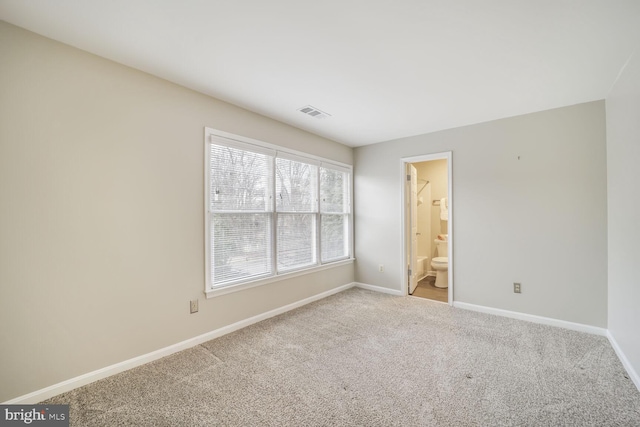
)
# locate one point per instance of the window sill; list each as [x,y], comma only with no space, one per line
[216,292]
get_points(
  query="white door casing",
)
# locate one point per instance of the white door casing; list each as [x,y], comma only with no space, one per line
[406,216]
[413,227]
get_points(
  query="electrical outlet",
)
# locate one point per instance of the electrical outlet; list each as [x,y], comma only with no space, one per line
[381,268]
[517,288]
[194,306]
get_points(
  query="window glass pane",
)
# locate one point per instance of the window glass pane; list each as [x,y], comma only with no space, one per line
[334,196]
[333,237]
[296,186]
[239,180]
[296,241]
[240,246]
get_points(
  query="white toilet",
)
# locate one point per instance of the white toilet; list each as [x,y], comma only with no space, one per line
[441,263]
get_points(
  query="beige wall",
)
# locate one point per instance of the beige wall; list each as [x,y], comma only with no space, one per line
[529,200]
[101,225]
[623,178]
[434,171]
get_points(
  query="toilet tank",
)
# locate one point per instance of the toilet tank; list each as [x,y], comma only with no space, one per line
[442,248]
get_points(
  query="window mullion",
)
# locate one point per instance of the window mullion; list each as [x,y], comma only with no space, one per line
[274,219]
[318,221]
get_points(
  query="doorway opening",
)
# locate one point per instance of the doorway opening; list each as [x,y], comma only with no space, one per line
[428,237]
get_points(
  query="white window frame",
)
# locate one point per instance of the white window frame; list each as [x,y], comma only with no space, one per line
[213,136]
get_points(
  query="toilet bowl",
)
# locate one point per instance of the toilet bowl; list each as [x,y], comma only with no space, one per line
[441,263]
[441,266]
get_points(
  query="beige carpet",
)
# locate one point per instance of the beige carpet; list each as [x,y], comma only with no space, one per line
[361,358]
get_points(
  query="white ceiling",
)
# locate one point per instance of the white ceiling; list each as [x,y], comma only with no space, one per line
[383,69]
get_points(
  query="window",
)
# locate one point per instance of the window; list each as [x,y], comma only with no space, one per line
[271,211]
[240,213]
[297,208]
[334,218]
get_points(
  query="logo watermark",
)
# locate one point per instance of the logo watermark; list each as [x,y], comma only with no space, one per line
[36,415]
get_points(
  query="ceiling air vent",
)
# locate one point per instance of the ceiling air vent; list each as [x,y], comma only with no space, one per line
[314,112]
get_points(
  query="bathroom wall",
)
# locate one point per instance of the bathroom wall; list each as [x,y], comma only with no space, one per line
[623,178]
[529,200]
[434,171]
[102,222]
[424,217]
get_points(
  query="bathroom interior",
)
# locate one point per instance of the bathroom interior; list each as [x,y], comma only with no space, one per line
[432,223]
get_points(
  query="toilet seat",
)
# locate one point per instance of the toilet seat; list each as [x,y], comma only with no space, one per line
[442,260]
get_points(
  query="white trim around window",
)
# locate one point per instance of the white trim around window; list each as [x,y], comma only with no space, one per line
[259,194]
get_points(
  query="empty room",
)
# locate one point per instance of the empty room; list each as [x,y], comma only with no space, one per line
[347,213]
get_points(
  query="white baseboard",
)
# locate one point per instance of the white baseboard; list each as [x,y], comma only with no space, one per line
[79,381]
[378,289]
[625,362]
[533,318]
[64,386]
[633,375]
